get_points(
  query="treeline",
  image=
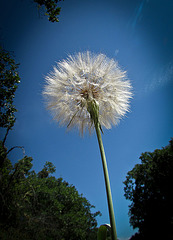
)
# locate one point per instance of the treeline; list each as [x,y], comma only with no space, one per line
[39,206]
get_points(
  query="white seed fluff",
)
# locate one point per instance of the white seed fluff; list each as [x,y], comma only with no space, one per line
[87,77]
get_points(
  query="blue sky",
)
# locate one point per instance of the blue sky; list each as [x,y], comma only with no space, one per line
[137,33]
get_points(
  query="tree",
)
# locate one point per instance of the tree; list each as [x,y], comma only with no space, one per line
[39,206]
[149,187]
[52,10]
[9,80]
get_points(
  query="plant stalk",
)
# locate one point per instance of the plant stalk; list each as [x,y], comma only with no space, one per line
[107,182]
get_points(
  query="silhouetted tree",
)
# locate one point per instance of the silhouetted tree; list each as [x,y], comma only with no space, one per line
[52,10]
[40,207]
[149,186]
[9,80]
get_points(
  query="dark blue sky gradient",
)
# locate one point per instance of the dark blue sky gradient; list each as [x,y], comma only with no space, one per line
[138,34]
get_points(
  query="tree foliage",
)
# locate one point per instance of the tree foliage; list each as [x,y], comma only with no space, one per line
[39,206]
[9,80]
[52,10]
[149,187]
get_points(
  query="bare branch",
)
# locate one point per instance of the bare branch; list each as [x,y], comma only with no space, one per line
[17,147]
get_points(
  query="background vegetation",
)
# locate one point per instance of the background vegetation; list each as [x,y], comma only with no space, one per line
[149,188]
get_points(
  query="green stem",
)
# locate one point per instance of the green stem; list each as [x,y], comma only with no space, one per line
[107,183]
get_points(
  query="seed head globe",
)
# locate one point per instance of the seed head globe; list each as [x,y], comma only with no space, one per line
[85,80]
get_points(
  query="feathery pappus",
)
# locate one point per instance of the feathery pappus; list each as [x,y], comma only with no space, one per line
[86,78]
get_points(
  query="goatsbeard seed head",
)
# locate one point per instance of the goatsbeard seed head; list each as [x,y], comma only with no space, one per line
[83,79]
